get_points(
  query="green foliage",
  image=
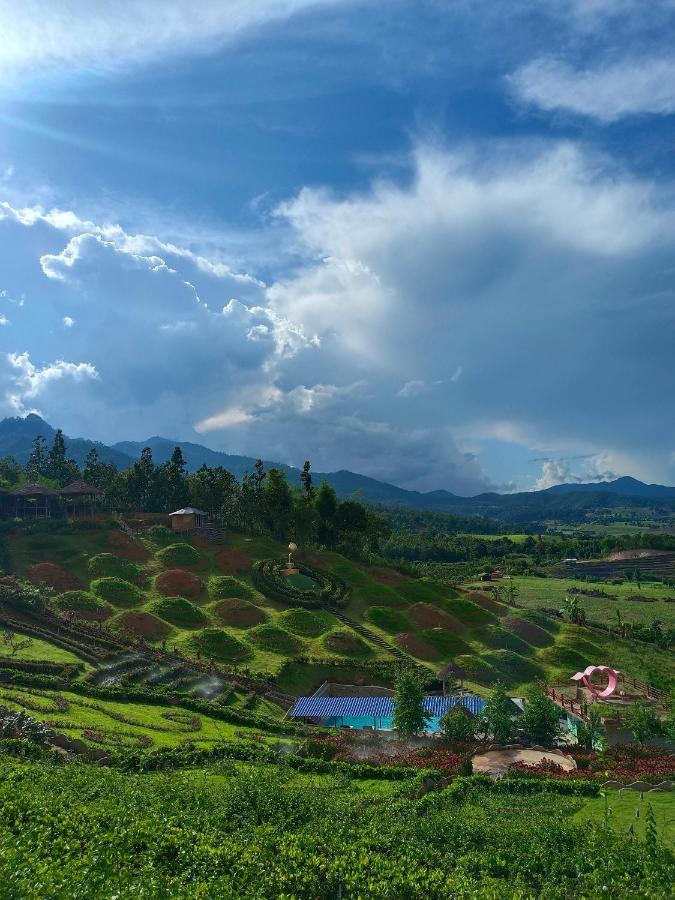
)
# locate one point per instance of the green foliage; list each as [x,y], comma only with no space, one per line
[176,555]
[222,586]
[346,643]
[496,720]
[218,644]
[642,722]
[270,579]
[82,601]
[410,716]
[458,725]
[390,620]
[159,534]
[540,723]
[591,733]
[272,637]
[178,611]
[117,590]
[107,564]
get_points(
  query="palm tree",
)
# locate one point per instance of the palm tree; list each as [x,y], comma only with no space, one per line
[573,610]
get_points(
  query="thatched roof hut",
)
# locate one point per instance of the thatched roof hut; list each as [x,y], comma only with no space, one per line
[33,489]
[80,488]
[454,672]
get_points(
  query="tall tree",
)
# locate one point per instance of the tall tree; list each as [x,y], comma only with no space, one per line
[306,481]
[141,482]
[410,716]
[37,461]
[540,722]
[56,458]
[278,505]
[641,720]
[496,718]
[325,504]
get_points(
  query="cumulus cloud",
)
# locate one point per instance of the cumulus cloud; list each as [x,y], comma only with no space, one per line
[4,320]
[79,33]
[68,321]
[24,381]
[607,93]
[561,471]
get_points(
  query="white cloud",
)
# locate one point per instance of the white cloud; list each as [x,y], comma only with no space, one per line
[68,34]
[560,471]
[68,321]
[4,320]
[606,93]
[24,381]
[413,388]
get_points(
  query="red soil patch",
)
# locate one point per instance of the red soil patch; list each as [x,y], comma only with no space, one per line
[126,548]
[428,616]
[239,613]
[94,615]
[528,631]
[386,576]
[640,553]
[179,583]
[486,602]
[55,577]
[415,645]
[233,561]
[143,624]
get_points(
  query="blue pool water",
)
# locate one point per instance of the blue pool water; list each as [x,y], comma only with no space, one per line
[383,722]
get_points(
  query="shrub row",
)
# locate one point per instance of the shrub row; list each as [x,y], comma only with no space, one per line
[462,786]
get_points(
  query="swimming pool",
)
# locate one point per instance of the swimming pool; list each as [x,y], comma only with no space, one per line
[380,723]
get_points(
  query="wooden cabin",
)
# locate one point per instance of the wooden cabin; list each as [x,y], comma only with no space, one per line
[35,501]
[188,519]
[80,498]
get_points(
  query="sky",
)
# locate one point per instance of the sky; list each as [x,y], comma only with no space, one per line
[431,241]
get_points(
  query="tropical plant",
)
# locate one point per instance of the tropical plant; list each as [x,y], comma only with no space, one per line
[540,722]
[496,719]
[410,716]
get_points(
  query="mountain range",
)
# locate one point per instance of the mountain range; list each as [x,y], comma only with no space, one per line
[564,501]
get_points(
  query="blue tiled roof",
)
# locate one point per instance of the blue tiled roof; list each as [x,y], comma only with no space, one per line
[374,707]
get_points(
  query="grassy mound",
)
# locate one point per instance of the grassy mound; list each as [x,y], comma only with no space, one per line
[143,625]
[179,611]
[54,577]
[233,561]
[159,534]
[514,668]
[528,631]
[239,613]
[107,564]
[274,638]
[543,621]
[117,591]
[428,616]
[469,613]
[179,583]
[486,602]
[416,645]
[222,586]
[497,638]
[478,669]
[346,643]
[390,620]
[178,555]
[84,603]
[447,643]
[368,595]
[305,622]
[421,590]
[567,658]
[218,644]
[126,547]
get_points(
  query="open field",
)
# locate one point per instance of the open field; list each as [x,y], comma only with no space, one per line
[627,808]
[551,592]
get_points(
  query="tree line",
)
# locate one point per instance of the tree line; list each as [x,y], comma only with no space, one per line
[263,502]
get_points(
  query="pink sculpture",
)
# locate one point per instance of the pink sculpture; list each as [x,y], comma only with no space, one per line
[587,674]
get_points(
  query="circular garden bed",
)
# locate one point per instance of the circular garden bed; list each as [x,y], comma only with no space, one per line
[304,587]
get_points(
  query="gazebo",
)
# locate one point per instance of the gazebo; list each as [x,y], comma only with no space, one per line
[188,519]
[80,497]
[452,670]
[34,501]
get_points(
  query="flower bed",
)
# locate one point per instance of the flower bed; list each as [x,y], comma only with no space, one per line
[622,763]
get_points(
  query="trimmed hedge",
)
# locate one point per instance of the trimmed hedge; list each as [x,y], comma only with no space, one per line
[117,590]
[463,786]
[268,577]
[305,622]
[107,564]
[176,555]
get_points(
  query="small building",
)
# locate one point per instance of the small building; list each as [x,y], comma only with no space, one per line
[484,576]
[374,712]
[80,498]
[35,501]
[452,672]
[188,519]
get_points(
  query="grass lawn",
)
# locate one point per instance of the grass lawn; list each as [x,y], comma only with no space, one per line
[41,650]
[551,592]
[623,807]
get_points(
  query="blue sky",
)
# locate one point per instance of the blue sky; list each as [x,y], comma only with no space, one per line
[428,241]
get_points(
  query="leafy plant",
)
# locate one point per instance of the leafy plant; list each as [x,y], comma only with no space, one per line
[410,717]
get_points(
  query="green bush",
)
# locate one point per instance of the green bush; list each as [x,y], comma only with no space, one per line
[178,555]
[179,611]
[117,591]
[218,644]
[159,534]
[107,564]
[78,600]
[305,622]
[274,638]
[221,587]
[390,620]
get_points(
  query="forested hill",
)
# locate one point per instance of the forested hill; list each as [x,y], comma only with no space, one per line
[568,503]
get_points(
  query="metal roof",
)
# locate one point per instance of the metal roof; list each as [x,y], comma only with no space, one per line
[374,707]
[188,510]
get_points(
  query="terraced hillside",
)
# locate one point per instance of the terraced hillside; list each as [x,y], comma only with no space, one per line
[198,606]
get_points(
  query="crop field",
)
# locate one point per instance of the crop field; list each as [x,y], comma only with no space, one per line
[551,592]
[629,808]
